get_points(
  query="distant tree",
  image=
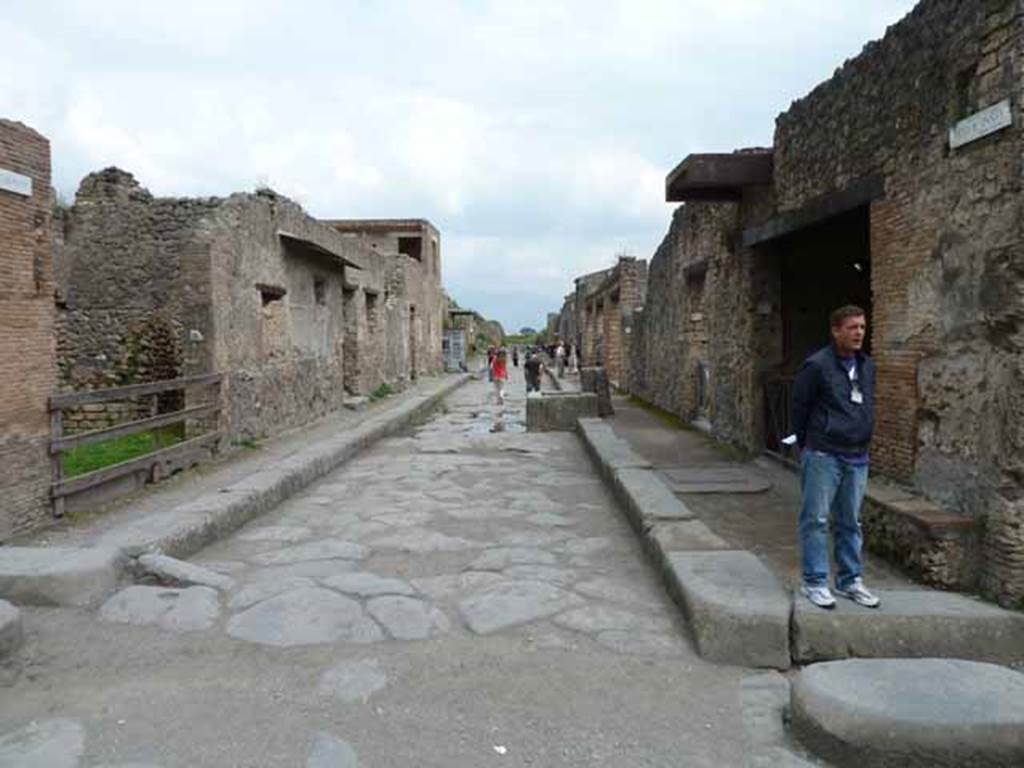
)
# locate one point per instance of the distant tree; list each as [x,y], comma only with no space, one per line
[527,331]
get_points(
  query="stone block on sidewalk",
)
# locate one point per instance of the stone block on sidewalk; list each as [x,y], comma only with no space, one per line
[595,379]
[737,608]
[909,624]
[58,575]
[916,713]
[559,411]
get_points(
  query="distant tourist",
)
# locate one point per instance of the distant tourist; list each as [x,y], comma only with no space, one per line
[499,374]
[515,356]
[533,368]
[574,363]
[833,418]
[491,354]
[560,360]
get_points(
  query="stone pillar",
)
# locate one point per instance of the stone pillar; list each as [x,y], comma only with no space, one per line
[27,345]
[595,379]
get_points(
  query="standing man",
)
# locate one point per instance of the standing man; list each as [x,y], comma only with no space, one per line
[833,418]
[533,368]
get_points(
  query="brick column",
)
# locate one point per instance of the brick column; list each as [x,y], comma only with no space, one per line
[27,346]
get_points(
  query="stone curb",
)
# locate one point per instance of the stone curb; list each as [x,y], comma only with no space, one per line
[85,576]
[715,589]
[738,611]
[11,633]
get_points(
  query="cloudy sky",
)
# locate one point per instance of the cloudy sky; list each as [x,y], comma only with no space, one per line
[536,134]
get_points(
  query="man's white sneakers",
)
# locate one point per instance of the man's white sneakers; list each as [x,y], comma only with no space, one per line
[820,596]
[857,592]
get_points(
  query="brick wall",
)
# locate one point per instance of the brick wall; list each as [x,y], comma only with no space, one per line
[26,332]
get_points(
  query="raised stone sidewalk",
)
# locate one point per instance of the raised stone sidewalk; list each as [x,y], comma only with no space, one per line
[92,561]
[740,612]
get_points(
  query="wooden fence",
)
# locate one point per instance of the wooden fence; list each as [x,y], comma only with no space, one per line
[194,447]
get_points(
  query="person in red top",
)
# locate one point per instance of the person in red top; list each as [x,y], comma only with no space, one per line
[499,373]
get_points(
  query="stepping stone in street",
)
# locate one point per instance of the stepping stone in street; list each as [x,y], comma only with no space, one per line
[331,752]
[353,680]
[178,610]
[513,603]
[406,618]
[911,712]
[316,550]
[502,557]
[304,617]
[56,743]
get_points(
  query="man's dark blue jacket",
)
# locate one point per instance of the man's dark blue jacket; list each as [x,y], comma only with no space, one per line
[824,418]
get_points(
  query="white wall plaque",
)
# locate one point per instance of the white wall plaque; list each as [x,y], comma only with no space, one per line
[981,124]
[16,183]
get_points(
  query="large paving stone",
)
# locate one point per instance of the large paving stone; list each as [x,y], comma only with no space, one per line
[178,573]
[502,557]
[598,618]
[634,643]
[265,588]
[179,610]
[737,608]
[304,617]
[406,618]
[911,712]
[58,575]
[316,550]
[908,624]
[11,634]
[353,680]
[421,540]
[368,585]
[56,743]
[512,603]
[451,583]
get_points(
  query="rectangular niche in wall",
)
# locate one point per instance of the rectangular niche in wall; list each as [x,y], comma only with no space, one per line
[411,246]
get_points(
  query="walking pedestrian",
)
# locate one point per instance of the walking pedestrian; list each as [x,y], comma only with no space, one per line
[499,369]
[491,352]
[574,366]
[532,368]
[560,360]
[515,356]
[833,419]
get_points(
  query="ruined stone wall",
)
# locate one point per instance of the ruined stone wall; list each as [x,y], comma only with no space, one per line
[946,250]
[26,332]
[278,314]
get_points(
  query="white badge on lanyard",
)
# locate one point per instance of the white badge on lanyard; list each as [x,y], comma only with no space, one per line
[856,396]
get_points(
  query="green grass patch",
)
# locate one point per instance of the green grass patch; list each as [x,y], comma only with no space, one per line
[382,391]
[89,458]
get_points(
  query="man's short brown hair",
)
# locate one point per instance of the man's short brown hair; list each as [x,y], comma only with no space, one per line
[844,313]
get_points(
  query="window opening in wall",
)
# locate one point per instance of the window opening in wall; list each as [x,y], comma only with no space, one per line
[435,259]
[270,293]
[411,246]
[320,290]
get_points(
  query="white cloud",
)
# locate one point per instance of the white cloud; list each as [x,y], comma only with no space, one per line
[536,134]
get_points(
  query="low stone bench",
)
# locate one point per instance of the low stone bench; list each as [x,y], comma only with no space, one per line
[918,713]
[934,545]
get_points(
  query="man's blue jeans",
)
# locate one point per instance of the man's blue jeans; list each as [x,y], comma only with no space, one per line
[829,484]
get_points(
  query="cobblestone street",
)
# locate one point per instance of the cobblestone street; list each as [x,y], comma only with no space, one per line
[464,595]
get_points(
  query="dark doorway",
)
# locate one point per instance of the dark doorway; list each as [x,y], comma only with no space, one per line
[821,267]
